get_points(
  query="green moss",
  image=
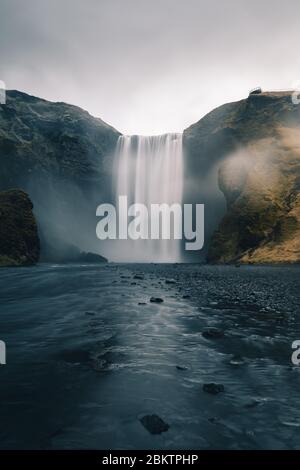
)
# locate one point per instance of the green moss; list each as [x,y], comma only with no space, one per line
[19,241]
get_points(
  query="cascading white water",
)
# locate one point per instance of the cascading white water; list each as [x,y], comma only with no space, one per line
[149,170]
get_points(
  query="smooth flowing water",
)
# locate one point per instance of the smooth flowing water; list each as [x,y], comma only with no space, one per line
[149,170]
[88,356]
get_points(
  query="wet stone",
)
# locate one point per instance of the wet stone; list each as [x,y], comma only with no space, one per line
[156,300]
[99,365]
[213,388]
[154,424]
[214,420]
[236,361]
[170,281]
[181,367]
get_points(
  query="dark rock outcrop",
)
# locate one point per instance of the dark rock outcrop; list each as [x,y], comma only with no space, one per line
[62,157]
[39,139]
[19,241]
[254,144]
[154,424]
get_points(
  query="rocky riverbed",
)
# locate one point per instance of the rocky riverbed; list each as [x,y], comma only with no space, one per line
[149,356]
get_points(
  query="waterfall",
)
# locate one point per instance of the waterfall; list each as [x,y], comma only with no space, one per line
[149,170]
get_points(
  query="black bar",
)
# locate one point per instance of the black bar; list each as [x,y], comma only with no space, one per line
[136,458]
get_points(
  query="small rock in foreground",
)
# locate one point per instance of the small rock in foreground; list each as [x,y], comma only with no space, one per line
[156,300]
[213,388]
[181,367]
[170,281]
[236,361]
[154,424]
[19,239]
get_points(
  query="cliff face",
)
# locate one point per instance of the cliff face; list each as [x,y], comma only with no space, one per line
[62,157]
[39,139]
[248,151]
[255,145]
[19,241]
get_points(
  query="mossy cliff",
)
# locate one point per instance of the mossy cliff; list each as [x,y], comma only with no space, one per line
[255,144]
[40,139]
[19,241]
[62,157]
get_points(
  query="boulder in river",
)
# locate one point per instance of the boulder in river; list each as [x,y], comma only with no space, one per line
[213,388]
[181,367]
[154,424]
[156,300]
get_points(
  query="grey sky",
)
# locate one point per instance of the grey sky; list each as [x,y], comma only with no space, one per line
[148,66]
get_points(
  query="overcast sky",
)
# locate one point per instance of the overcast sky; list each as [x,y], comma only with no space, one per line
[150,66]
